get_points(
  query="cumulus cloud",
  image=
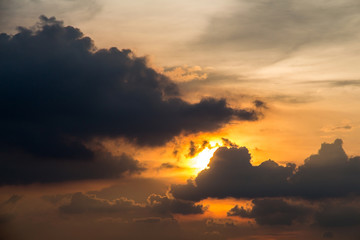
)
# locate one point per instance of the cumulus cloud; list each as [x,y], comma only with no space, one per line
[59,93]
[328,174]
[230,174]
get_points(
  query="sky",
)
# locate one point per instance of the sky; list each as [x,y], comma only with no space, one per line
[228,120]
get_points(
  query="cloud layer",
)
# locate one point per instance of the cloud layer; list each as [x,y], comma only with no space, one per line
[271,212]
[157,206]
[328,174]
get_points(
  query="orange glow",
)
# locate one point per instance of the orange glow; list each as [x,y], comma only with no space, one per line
[201,161]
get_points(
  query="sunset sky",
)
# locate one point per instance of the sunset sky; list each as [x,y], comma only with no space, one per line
[184,120]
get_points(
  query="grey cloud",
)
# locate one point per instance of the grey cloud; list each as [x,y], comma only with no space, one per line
[148,220]
[272,212]
[328,174]
[337,127]
[335,83]
[327,214]
[260,104]
[281,27]
[168,166]
[81,203]
[338,214]
[293,99]
[165,205]
[346,127]
[157,206]
[344,83]
[18,12]
[194,148]
[227,143]
[137,189]
[230,174]
[16,170]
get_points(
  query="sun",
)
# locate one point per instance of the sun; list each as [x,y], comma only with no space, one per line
[201,161]
[203,158]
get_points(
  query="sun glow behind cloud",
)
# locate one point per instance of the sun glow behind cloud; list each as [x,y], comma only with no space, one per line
[201,161]
[203,158]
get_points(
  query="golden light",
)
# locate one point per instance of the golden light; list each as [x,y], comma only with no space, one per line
[201,161]
[203,158]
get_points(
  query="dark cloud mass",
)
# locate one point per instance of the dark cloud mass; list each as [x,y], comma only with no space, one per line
[272,212]
[338,214]
[328,174]
[23,171]
[328,214]
[58,93]
[230,174]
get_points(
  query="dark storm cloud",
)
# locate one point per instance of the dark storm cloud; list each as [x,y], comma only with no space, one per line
[272,212]
[281,27]
[328,174]
[156,206]
[58,93]
[230,174]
